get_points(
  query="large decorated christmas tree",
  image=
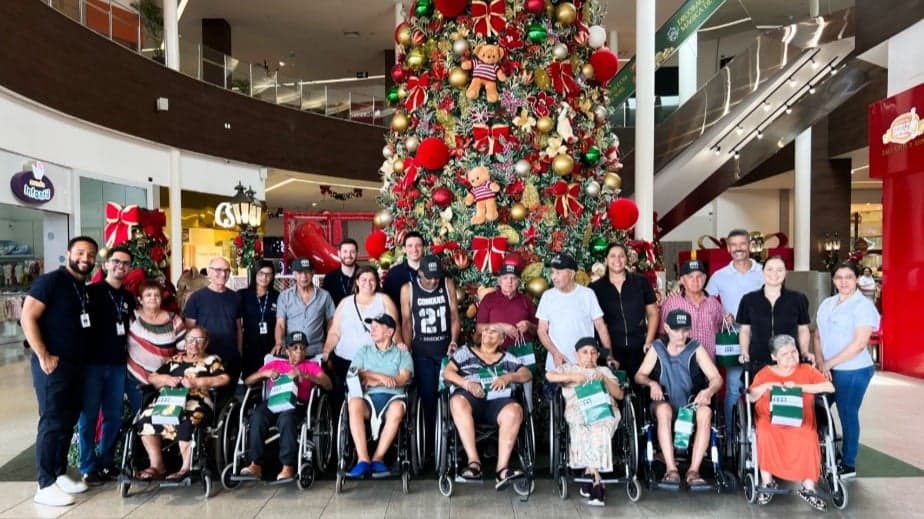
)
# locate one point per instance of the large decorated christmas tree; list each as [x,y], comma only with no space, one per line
[500,148]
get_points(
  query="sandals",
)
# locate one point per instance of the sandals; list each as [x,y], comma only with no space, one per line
[178,475]
[764,498]
[671,477]
[472,471]
[813,500]
[505,477]
[694,479]
[150,474]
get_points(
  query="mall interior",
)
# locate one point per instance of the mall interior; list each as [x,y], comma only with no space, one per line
[796,120]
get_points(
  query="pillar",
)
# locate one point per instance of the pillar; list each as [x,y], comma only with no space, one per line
[176,215]
[803,201]
[172,34]
[687,56]
[644,117]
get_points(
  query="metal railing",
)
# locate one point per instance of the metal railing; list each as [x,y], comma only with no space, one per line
[122,23]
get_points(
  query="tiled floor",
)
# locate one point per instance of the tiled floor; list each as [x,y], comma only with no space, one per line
[891,418]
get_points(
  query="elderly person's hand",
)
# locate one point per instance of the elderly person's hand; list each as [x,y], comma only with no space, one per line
[656,392]
[474,388]
[523,326]
[500,383]
[702,398]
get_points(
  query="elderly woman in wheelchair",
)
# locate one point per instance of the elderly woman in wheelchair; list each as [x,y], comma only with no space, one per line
[304,374]
[481,378]
[383,370]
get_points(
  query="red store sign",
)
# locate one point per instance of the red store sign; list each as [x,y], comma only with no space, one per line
[896,134]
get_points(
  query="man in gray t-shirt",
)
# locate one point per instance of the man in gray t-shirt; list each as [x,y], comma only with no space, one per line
[304,308]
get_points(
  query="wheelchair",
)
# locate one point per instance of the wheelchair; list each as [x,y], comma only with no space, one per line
[448,446]
[208,447]
[624,445]
[722,480]
[315,439]
[405,453]
[831,488]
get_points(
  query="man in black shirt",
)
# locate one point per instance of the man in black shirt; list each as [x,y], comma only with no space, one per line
[110,308]
[339,283]
[56,322]
[218,309]
[398,275]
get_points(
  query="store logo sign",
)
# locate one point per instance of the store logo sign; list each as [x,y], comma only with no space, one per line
[904,128]
[31,186]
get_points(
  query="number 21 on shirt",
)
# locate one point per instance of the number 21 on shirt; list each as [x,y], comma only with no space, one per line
[428,318]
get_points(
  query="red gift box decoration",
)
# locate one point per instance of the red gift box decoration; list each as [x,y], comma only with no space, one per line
[488,253]
[493,139]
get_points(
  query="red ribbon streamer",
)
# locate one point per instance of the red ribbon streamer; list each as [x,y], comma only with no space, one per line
[119,223]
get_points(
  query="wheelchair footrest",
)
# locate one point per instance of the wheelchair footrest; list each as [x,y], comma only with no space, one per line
[243,477]
[185,482]
[460,479]
[672,487]
[708,487]
[285,481]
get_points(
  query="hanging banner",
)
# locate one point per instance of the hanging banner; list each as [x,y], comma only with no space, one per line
[896,134]
[685,22]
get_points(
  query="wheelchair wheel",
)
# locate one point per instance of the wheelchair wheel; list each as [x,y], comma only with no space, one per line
[445,483]
[562,484]
[343,440]
[742,447]
[418,438]
[226,480]
[633,489]
[124,486]
[838,491]
[750,488]
[440,441]
[322,433]
[206,484]
[305,476]
[226,434]
[555,438]
[406,481]
[631,446]
[524,487]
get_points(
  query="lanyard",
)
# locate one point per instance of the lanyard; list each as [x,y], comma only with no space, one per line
[119,305]
[82,296]
[263,305]
[345,283]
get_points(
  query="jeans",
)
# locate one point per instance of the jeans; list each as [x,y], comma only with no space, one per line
[103,391]
[287,424]
[58,396]
[132,393]
[427,377]
[733,386]
[849,389]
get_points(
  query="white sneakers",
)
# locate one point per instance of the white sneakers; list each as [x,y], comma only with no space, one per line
[59,494]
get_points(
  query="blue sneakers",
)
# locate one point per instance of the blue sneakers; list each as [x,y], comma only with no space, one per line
[379,469]
[360,470]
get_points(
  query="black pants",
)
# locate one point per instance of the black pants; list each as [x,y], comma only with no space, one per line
[338,377]
[286,422]
[59,401]
[630,359]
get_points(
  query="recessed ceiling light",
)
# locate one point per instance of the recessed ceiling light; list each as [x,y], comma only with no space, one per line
[351,34]
[760,134]
[788,109]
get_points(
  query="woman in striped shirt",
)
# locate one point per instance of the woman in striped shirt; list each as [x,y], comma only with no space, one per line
[154,337]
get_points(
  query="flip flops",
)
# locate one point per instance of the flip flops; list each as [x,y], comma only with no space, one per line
[813,500]
[150,474]
[671,477]
[505,477]
[472,471]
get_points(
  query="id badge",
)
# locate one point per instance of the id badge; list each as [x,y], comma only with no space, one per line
[85,320]
[264,329]
[120,329]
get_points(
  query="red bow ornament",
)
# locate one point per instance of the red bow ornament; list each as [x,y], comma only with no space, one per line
[417,91]
[493,139]
[153,222]
[563,78]
[488,253]
[566,198]
[119,223]
[489,17]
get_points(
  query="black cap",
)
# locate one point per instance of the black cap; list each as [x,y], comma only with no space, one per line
[564,261]
[430,267]
[693,266]
[385,319]
[302,265]
[509,268]
[583,342]
[294,338]
[678,319]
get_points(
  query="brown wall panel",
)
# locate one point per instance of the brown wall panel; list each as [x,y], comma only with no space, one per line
[882,19]
[56,62]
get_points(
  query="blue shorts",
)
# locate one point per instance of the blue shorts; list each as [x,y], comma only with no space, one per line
[380,401]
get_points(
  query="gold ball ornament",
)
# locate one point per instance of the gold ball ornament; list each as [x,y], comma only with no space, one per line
[587,70]
[542,79]
[400,122]
[518,212]
[387,259]
[402,93]
[612,181]
[472,311]
[592,188]
[415,59]
[398,166]
[536,286]
[458,77]
[545,124]
[104,253]
[565,13]
[404,36]
[382,219]
[562,165]
[460,46]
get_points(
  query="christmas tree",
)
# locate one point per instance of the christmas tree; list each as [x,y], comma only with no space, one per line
[500,148]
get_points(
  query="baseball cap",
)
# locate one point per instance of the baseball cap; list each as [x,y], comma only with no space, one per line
[508,268]
[564,261]
[294,338]
[302,265]
[678,319]
[385,319]
[430,266]
[692,266]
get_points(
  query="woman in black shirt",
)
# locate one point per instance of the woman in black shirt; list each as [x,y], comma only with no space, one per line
[258,309]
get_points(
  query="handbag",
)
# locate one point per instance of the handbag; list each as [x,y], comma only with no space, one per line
[595,402]
[727,346]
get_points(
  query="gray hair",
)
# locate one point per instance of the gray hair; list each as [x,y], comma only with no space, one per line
[779,341]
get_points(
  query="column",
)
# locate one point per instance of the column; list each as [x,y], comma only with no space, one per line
[687,56]
[803,201]
[172,34]
[176,222]
[614,42]
[644,117]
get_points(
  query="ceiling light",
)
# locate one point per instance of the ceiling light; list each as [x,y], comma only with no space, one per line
[739,129]
[833,70]
[717,149]
[767,106]
[788,109]
[282,63]
[813,63]
[780,143]
[351,34]
[737,154]
[811,90]
[760,134]
[792,81]
[314,204]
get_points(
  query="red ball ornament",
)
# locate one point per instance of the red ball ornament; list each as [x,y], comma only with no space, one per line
[375,243]
[308,241]
[398,74]
[451,8]
[442,197]
[605,64]
[623,213]
[432,153]
[535,6]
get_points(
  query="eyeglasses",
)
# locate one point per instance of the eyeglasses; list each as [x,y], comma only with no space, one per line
[220,271]
[120,263]
[196,339]
[264,274]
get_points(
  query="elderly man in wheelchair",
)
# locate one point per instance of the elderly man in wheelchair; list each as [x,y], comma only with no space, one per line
[382,371]
[281,409]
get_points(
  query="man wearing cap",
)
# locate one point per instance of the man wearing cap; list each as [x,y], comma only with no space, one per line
[568,312]
[339,283]
[304,308]
[513,310]
[706,311]
[218,309]
[430,324]
[399,275]
[305,374]
[675,373]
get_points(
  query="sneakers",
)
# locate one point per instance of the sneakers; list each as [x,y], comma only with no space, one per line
[252,470]
[287,472]
[380,469]
[53,496]
[360,470]
[585,489]
[69,485]
[92,479]
[597,495]
[846,471]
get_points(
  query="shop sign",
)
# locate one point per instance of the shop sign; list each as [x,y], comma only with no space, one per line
[896,134]
[31,186]
[224,216]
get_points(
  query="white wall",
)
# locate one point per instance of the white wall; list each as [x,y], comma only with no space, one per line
[751,209]
[905,57]
[711,51]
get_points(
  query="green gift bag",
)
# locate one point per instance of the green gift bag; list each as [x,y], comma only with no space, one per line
[524,352]
[443,364]
[486,377]
[786,406]
[283,396]
[683,427]
[169,406]
[595,402]
[727,347]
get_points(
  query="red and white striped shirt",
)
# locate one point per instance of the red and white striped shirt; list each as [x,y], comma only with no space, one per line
[707,318]
[484,70]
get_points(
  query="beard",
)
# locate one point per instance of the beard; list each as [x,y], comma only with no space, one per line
[75,266]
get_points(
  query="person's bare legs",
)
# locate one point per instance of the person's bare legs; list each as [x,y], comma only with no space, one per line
[359,411]
[152,447]
[664,415]
[701,436]
[509,420]
[393,416]
[461,411]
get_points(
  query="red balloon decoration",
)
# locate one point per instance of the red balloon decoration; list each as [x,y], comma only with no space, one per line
[308,241]
[375,243]
[432,153]
[535,6]
[623,213]
[442,197]
[605,64]
[451,8]
[398,74]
